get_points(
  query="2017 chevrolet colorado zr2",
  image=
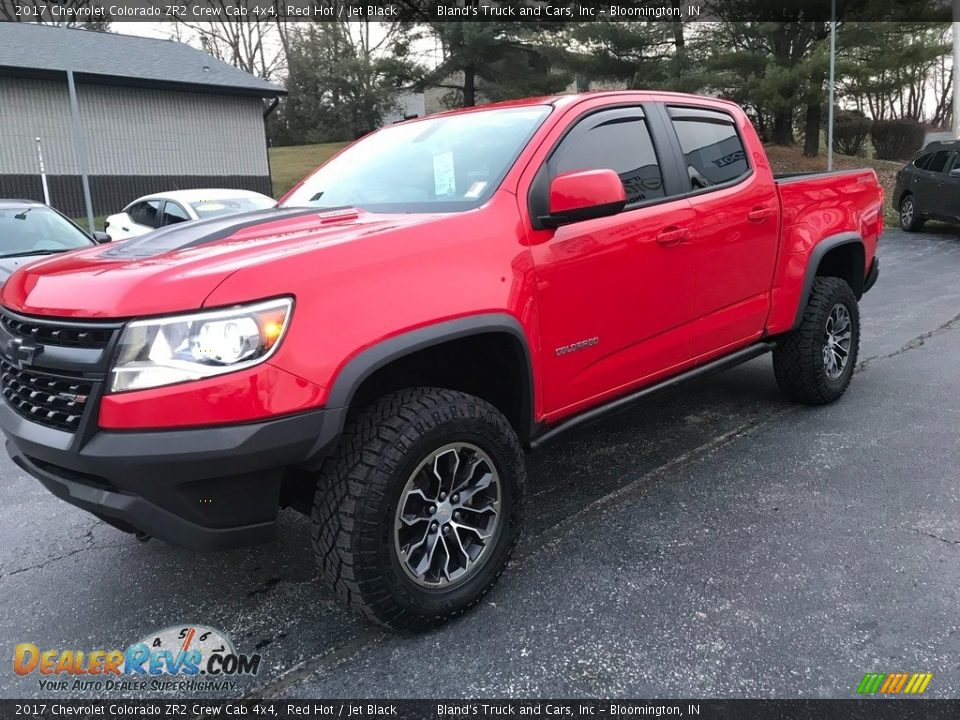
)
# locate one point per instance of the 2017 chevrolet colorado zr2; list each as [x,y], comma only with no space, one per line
[379,350]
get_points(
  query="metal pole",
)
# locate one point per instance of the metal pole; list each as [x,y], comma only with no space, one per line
[956,68]
[81,149]
[830,89]
[43,175]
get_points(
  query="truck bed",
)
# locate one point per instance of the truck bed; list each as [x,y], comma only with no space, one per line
[786,177]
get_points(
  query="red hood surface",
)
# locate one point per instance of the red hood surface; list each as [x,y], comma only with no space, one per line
[176,269]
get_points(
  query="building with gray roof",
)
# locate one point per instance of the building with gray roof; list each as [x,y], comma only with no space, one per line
[154,115]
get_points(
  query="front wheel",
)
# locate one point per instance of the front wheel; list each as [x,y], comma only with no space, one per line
[415,519]
[814,363]
[910,219]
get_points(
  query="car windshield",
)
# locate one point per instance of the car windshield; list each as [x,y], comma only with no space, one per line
[447,164]
[38,231]
[230,206]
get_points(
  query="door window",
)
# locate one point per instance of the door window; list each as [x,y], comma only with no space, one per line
[939,161]
[617,140]
[146,213]
[712,150]
[173,213]
[921,161]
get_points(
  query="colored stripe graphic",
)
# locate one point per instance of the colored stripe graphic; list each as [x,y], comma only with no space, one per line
[894,683]
[870,683]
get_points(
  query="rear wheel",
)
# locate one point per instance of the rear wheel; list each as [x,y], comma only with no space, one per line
[910,219]
[815,362]
[416,517]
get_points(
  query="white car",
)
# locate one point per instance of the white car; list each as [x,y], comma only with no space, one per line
[161,209]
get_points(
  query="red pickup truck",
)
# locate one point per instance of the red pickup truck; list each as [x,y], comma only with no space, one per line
[446,293]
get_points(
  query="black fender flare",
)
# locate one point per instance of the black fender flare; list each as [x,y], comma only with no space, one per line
[831,242]
[367,362]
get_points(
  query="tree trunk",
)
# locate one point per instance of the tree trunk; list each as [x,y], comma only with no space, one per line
[811,130]
[783,127]
[469,86]
[678,39]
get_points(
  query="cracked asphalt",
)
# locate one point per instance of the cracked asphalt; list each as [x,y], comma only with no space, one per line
[715,542]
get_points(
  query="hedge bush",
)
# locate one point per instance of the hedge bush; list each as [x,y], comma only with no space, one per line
[896,139]
[850,133]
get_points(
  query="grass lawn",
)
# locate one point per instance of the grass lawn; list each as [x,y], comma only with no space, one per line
[289,165]
[97,221]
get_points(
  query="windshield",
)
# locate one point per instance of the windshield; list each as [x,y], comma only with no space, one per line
[38,231]
[230,206]
[446,164]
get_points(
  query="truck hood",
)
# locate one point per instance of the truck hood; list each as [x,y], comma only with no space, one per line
[175,269]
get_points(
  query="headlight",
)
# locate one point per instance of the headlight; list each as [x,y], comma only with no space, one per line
[190,347]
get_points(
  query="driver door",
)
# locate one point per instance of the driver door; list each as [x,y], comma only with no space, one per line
[615,294]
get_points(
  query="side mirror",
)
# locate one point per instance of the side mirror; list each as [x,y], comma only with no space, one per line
[584,195]
[101,237]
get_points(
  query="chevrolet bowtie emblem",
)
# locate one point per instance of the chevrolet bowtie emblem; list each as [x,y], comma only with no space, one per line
[20,353]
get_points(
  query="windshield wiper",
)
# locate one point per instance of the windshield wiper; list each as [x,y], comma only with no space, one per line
[25,253]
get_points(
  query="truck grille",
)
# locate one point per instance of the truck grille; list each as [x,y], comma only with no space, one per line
[61,335]
[50,400]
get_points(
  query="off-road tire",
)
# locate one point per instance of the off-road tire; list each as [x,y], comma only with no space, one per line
[798,358]
[915,222]
[359,488]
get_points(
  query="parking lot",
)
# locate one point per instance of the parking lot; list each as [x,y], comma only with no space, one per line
[716,541]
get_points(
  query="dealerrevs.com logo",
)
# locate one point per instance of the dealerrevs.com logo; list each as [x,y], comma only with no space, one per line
[181,657]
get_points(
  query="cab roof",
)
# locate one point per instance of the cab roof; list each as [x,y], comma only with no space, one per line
[14,204]
[565,100]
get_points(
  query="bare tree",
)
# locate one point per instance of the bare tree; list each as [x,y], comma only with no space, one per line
[255,44]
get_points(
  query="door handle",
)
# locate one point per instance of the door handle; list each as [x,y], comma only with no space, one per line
[759,214]
[125,229]
[672,235]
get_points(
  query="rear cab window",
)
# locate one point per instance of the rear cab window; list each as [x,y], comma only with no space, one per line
[713,151]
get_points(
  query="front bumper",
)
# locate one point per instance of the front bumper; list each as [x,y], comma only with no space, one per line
[205,489]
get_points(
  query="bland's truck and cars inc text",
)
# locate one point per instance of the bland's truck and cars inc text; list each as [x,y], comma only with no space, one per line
[381,349]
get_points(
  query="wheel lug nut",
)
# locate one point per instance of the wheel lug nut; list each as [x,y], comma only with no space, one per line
[455,498]
[443,496]
[433,509]
[433,527]
[446,529]
[456,515]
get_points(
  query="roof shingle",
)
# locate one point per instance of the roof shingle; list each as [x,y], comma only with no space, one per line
[108,56]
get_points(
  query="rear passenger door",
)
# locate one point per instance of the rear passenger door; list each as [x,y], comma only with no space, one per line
[949,189]
[735,232]
[930,188]
[144,216]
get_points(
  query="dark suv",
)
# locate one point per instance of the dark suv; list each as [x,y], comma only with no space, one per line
[928,188]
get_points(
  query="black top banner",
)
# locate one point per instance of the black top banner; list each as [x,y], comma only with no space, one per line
[551,11]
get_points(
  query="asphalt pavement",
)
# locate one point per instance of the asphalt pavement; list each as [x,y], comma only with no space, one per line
[716,542]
